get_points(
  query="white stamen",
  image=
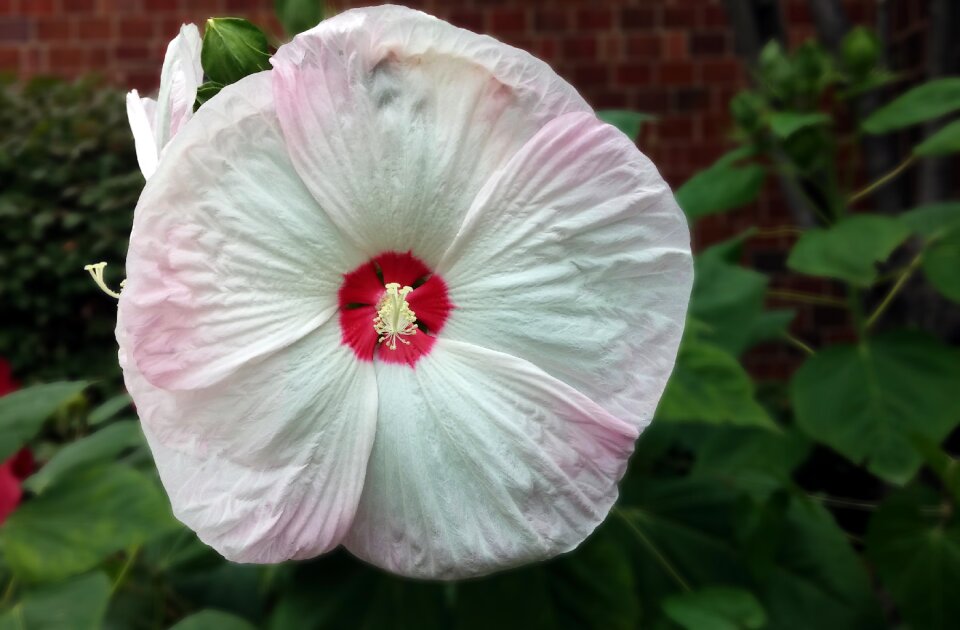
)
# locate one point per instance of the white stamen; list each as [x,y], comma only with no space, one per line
[394,317]
[96,271]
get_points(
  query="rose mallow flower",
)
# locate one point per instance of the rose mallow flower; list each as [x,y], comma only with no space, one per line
[403,293]
[155,122]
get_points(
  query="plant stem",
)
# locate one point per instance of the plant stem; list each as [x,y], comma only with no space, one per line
[856,311]
[662,559]
[807,298]
[125,569]
[853,504]
[778,231]
[895,290]
[799,343]
[900,168]
[8,592]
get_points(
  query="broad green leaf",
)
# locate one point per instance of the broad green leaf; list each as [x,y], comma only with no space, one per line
[227,587]
[213,620]
[849,250]
[716,608]
[205,92]
[721,187]
[943,142]
[941,262]
[626,121]
[590,587]
[22,413]
[729,300]
[109,409]
[80,520]
[933,220]
[77,604]
[758,461]
[865,401]
[806,569]
[924,102]
[337,591]
[298,16]
[709,385]
[232,49]
[785,124]
[101,446]
[915,544]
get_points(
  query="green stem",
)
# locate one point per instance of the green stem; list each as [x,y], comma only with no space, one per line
[904,276]
[900,168]
[662,559]
[8,592]
[778,231]
[856,311]
[799,343]
[125,569]
[844,503]
[807,298]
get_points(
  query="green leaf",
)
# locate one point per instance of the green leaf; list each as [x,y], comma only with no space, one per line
[729,300]
[924,102]
[80,520]
[205,92]
[849,250]
[109,409]
[785,124]
[232,49]
[103,445]
[709,385]
[941,261]
[933,220]
[860,51]
[716,608]
[865,401]
[590,587]
[724,186]
[22,413]
[943,142]
[298,16]
[213,620]
[78,604]
[803,562]
[628,122]
[915,544]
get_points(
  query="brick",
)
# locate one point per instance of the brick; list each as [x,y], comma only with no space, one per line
[643,45]
[635,74]
[680,17]
[610,99]
[9,58]
[636,18]
[592,75]
[713,15]
[652,100]
[508,20]
[132,51]
[136,28]
[580,47]
[690,99]
[551,20]
[709,44]
[598,19]
[675,45]
[468,19]
[37,7]
[675,73]
[14,29]
[66,57]
[53,28]
[78,6]
[723,70]
[95,28]
[161,6]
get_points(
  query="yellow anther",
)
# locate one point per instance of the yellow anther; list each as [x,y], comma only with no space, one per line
[96,271]
[394,318]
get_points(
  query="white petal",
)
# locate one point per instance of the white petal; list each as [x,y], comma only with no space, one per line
[230,257]
[182,73]
[140,112]
[268,465]
[483,462]
[576,257]
[395,120]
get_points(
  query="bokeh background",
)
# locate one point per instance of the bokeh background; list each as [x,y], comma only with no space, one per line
[745,507]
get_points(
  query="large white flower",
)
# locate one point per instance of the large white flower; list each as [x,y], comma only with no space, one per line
[404,293]
[155,122]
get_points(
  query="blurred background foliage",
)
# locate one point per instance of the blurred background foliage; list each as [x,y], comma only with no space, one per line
[828,499]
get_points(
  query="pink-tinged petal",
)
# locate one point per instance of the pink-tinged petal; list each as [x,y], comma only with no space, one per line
[576,258]
[482,462]
[268,465]
[395,120]
[180,77]
[230,257]
[140,115]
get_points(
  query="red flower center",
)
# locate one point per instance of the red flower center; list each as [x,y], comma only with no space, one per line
[398,325]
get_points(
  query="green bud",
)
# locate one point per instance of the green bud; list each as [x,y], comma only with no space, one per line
[860,51]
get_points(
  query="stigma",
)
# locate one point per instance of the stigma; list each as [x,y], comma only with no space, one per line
[96,272]
[394,318]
